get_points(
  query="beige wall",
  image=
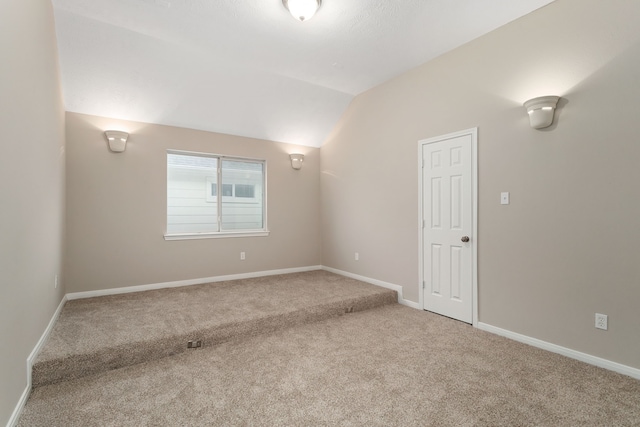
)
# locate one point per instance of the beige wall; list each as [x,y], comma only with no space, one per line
[565,248]
[31,185]
[116,208]
[567,245]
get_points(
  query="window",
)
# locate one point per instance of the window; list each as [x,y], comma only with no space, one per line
[227,190]
[214,196]
[245,190]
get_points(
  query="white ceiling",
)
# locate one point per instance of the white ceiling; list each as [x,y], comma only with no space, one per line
[247,67]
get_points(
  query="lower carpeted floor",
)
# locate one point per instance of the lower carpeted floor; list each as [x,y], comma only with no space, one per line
[388,366]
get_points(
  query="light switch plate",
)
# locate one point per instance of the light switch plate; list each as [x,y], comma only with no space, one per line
[504,198]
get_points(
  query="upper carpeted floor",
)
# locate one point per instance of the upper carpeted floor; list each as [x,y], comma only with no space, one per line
[99,334]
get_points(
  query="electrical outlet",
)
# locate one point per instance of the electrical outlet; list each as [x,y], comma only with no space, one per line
[601,321]
[242,256]
[55,282]
[194,344]
[356,256]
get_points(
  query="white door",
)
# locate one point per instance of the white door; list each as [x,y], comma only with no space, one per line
[448,214]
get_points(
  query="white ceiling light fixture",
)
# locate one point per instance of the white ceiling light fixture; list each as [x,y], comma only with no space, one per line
[541,111]
[302,10]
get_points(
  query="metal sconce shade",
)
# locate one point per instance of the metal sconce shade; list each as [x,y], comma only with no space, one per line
[296,161]
[541,111]
[117,140]
[302,10]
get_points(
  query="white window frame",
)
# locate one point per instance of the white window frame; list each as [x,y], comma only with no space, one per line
[220,234]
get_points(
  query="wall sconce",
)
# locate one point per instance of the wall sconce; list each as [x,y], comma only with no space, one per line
[117,140]
[296,161]
[541,111]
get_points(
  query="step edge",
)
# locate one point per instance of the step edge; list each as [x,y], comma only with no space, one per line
[170,345]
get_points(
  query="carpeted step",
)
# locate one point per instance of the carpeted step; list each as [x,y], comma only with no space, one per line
[99,334]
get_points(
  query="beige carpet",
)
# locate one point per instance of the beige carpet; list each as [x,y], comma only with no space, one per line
[100,334]
[388,366]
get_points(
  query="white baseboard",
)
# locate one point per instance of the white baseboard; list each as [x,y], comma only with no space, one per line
[573,354]
[36,350]
[376,282]
[199,281]
[178,283]
[13,420]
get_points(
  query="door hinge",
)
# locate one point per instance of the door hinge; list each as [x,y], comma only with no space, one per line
[424,284]
[423,223]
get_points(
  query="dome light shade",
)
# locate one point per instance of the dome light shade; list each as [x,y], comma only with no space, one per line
[296,160]
[117,140]
[541,111]
[302,10]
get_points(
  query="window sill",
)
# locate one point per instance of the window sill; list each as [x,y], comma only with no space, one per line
[220,235]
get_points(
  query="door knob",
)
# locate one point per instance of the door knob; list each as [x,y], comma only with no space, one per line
[465,239]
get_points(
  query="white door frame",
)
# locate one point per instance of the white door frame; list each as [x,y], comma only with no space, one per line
[474,232]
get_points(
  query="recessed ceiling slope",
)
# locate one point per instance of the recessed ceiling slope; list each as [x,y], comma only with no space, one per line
[247,67]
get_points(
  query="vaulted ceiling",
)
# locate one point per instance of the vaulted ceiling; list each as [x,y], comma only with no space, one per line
[247,67]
